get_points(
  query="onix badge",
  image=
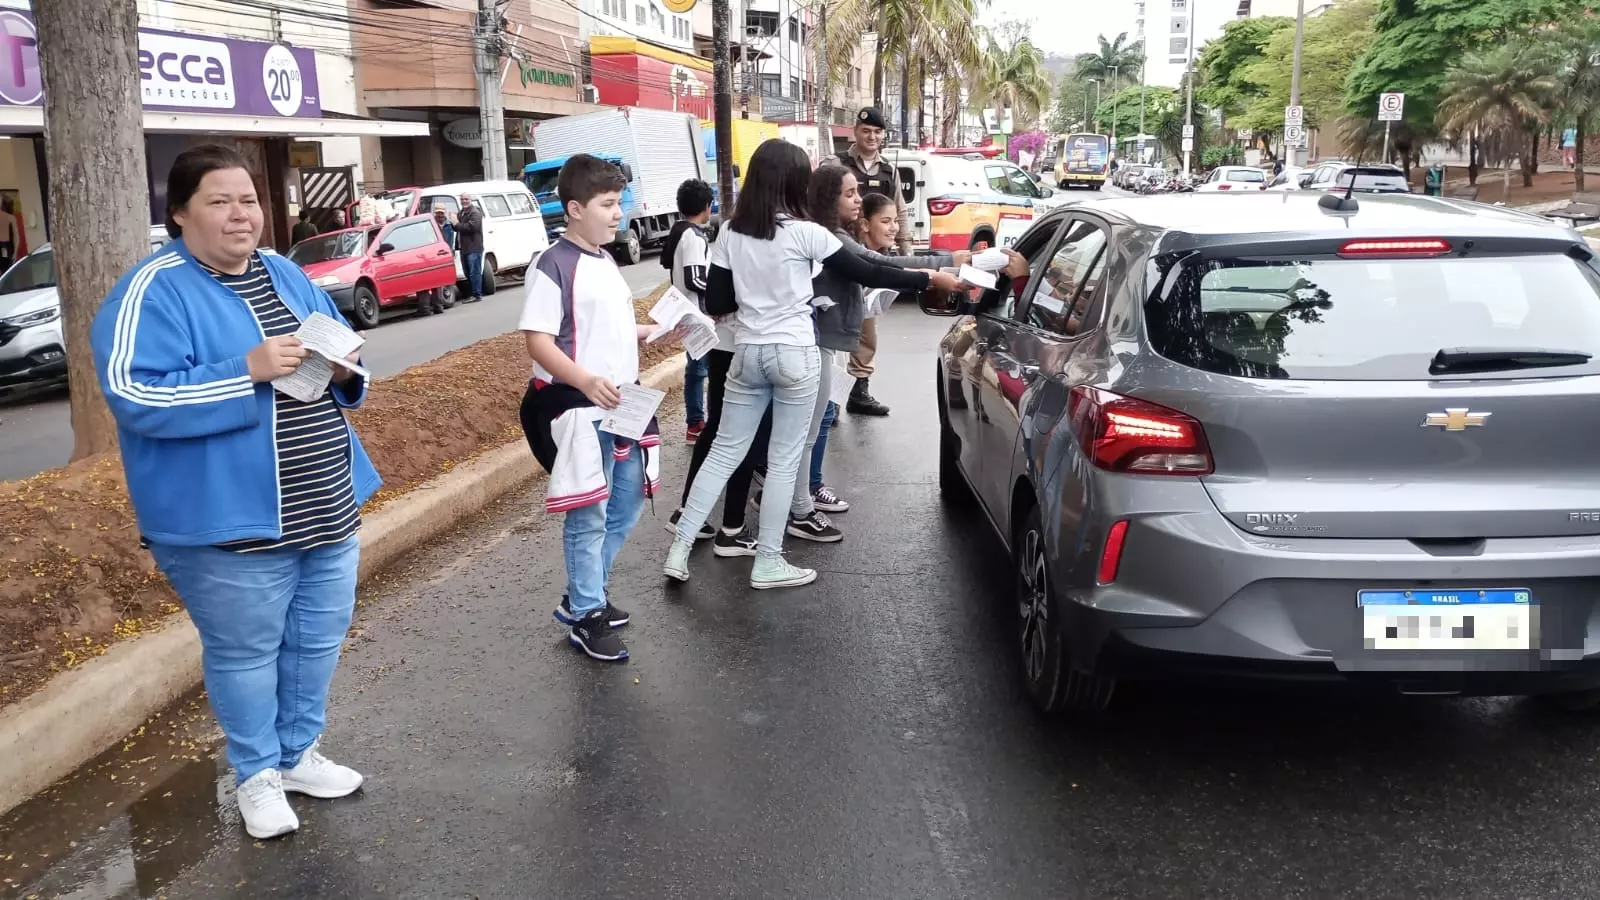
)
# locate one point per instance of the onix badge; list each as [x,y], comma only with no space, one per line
[1457,419]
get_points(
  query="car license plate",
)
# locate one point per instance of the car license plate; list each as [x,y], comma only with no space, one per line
[1464,619]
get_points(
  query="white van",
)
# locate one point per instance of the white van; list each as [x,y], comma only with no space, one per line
[513,231]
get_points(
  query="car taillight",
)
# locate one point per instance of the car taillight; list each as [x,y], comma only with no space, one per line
[1396,248]
[1224,186]
[942,207]
[1111,556]
[1121,434]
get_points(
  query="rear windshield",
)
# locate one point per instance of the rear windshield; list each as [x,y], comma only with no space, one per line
[1251,175]
[1358,320]
[1379,180]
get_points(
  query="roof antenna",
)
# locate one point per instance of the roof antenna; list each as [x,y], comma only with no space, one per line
[1347,203]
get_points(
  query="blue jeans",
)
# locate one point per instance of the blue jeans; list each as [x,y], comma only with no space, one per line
[592,536]
[472,265]
[828,418]
[271,625]
[786,377]
[694,389]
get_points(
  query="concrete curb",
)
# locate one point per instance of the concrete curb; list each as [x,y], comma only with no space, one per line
[87,709]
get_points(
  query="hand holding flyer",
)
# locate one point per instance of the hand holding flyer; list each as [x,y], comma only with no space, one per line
[632,416]
[329,342]
[675,312]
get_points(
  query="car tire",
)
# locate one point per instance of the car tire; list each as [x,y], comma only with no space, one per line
[982,237]
[365,311]
[490,283]
[448,296]
[1052,683]
[953,487]
[628,251]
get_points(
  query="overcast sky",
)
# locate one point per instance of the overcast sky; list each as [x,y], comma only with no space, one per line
[1066,26]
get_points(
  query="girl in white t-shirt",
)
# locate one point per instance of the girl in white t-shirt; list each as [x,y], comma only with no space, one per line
[761,266]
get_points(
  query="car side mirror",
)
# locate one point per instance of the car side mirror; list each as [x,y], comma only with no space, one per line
[1046,191]
[935,302]
[385,248]
[1305,181]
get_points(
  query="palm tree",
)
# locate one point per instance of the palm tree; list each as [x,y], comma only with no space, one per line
[914,34]
[1506,92]
[1015,78]
[1574,52]
[1117,55]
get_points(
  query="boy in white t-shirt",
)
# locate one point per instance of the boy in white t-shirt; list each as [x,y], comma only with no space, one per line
[582,334]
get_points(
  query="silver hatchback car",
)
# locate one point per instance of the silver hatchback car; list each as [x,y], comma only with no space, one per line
[1268,437]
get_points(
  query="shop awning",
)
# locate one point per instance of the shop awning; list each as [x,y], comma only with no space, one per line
[30,120]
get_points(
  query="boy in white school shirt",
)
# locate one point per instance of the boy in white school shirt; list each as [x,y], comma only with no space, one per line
[583,337]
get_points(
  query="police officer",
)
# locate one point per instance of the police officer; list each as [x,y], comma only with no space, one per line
[874,175]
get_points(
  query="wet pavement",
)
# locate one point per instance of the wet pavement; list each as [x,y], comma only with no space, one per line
[861,737]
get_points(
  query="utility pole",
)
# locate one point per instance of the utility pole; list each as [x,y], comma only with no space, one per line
[1116,73]
[1142,67]
[1188,103]
[824,86]
[99,207]
[1296,158]
[722,104]
[489,45]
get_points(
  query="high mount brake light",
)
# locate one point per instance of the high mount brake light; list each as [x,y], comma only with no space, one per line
[1414,247]
[1122,434]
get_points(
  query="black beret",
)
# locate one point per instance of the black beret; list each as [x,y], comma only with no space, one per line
[872,116]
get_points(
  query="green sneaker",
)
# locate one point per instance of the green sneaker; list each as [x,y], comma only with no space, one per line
[677,566]
[775,572]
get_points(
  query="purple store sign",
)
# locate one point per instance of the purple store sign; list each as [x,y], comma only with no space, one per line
[181,72]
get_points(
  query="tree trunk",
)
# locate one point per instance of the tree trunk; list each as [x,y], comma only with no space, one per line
[722,103]
[99,202]
[877,74]
[905,100]
[922,96]
[1472,159]
[1531,164]
[824,87]
[1577,155]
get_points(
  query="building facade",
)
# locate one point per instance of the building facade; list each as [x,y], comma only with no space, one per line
[1175,30]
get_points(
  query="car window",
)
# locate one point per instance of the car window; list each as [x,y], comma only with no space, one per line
[1036,245]
[520,205]
[997,179]
[1062,295]
[1250,176]
[439,201]
[1374,178]
[1020,184]
[32,272]
[411,236]
[495,206]
[1357,320]
[908,183]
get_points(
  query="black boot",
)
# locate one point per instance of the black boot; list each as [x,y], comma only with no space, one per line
[861,401]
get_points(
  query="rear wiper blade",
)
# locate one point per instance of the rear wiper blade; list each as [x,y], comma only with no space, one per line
[1460,360]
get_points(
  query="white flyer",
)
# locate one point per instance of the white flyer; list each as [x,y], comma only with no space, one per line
[329,338]
[308,381]
[991,260]
[674,310]
[633,414]
[878,301]
[839,387]
[977,277]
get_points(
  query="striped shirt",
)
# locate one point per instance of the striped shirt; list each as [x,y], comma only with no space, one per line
[316,493]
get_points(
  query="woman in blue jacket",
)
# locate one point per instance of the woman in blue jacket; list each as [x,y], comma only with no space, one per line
[248,499]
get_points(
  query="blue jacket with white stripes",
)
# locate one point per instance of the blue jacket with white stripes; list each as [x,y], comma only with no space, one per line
[198,436]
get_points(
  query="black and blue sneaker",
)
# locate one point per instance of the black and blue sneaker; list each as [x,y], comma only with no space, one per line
[615,617]
[593,637]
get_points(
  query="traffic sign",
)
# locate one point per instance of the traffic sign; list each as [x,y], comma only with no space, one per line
[1188,131]
[1294,116]
[1391,107]
[1188,145]
[1293,135]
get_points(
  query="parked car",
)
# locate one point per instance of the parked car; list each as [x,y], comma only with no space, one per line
[1265,437]
[1127,175]
[953,204]
[1370,178]
[367,270]
[1233,179]
[1287,180]
[513,230]
[32,349]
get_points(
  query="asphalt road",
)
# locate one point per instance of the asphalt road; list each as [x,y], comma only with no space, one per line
[36,429]
[862,737]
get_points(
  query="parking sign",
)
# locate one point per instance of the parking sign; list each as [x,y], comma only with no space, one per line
[1391,107]
[1294,116]
[1294,135]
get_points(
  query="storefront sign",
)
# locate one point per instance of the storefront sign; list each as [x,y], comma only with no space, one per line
[536,75]
[181,72]
[466,133]
[678,6]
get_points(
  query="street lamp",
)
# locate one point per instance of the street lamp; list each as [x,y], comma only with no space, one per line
[1096,83]
[1115,72]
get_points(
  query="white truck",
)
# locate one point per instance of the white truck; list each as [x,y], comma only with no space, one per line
[658,151]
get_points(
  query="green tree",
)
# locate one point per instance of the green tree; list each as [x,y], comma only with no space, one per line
[1414,44]
[1163,115]
[1574,54]
[1332,43]
[1120,56]
[1014,76]
[1506,92]
[1226,62]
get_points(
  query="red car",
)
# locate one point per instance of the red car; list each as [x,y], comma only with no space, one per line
[367,270]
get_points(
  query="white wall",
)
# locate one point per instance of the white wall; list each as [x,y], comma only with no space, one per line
[1164,23]
[661,26]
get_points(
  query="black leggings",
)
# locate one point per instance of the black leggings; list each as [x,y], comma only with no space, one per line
[737,494]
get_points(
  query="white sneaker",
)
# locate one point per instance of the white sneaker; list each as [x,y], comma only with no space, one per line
[264,808]
[319,776]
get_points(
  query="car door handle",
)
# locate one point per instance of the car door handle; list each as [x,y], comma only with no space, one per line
[442,253]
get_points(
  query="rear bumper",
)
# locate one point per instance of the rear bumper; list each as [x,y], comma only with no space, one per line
[949,243]
[1197,599]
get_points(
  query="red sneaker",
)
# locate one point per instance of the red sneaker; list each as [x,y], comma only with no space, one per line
[693,433]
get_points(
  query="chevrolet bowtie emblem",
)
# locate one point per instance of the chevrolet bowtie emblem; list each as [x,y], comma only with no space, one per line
[1458,419]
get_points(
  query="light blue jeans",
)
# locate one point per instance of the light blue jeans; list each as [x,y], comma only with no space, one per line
[271,625]
[787,377]
[593,535]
